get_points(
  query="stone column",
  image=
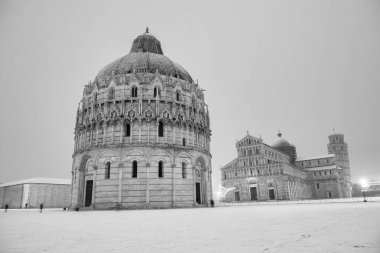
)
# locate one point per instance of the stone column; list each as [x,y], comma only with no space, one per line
[181,135]
[210,181]
[113,131]
[166,133]
[95,168]
[187,135]
[148,132]
[140,125]
[91,137]
[194,188]
[157,123]
[204,187]
[120,183]
[80,140]
[173,134]
[81,189]
[173,185]
[85,139]
[104,133]
[121,132]
[130,132]
[97,135]
[147,202]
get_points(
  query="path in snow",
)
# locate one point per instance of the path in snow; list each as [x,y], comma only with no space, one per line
[346,227]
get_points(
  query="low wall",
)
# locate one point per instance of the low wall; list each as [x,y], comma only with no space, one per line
[290,202]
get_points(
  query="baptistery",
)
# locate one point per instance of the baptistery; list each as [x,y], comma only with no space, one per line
[142,135]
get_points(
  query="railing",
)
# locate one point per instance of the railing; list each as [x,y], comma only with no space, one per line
[290,202]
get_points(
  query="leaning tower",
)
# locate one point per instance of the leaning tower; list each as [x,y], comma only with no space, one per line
[338,147]
[142,135]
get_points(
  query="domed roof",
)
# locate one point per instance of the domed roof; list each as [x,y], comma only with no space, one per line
[145,56]
[284,146]
[146,43]
[282,142]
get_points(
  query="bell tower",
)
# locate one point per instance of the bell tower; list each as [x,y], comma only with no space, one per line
[338,147]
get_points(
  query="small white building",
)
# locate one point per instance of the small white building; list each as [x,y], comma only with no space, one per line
[52,192]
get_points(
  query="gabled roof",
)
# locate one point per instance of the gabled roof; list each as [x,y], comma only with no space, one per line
[314,157]
[234,160]
[248,136]
[328,167]
[39,180]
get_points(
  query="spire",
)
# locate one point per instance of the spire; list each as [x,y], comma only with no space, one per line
[147,30]
[279,133]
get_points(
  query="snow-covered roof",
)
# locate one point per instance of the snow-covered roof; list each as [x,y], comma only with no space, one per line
[39,180]
[315,157]
[328,167]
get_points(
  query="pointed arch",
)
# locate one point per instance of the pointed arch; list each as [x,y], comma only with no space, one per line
[134,91]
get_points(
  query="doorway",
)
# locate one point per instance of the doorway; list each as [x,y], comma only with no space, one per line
[271,194]
[253,191]
[198,192]
[237,196]
[88,200]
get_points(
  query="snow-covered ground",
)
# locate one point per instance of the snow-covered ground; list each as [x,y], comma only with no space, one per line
[331,227]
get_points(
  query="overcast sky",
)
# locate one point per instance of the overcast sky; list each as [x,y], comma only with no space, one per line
[303,67]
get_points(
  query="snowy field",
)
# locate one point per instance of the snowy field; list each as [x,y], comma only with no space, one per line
[331,227]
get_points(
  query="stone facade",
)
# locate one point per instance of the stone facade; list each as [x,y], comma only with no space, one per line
[142,135]
[53,193]
[263,172]
[339,148]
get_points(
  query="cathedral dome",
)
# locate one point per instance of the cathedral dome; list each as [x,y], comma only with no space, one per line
[284,146]
[146,55]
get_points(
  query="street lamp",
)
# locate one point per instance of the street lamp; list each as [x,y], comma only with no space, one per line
[363,191]
[364,184]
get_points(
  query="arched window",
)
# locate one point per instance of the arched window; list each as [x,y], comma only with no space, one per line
[317,185]
[127,130]
[157,92]
[95,97]
[183,142]
[134,169]
[134,92]
[183,170]
[111,94]
[108,170]
[178,95]
[160,129]
[160,169]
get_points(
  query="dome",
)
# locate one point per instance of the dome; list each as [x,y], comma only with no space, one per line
[282,142]
[284,146]
[146,43]
[145,56]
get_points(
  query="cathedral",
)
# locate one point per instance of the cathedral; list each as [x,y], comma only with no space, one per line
[264,172]
[142,135]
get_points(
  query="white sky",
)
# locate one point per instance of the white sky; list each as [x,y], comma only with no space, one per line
[300,66]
